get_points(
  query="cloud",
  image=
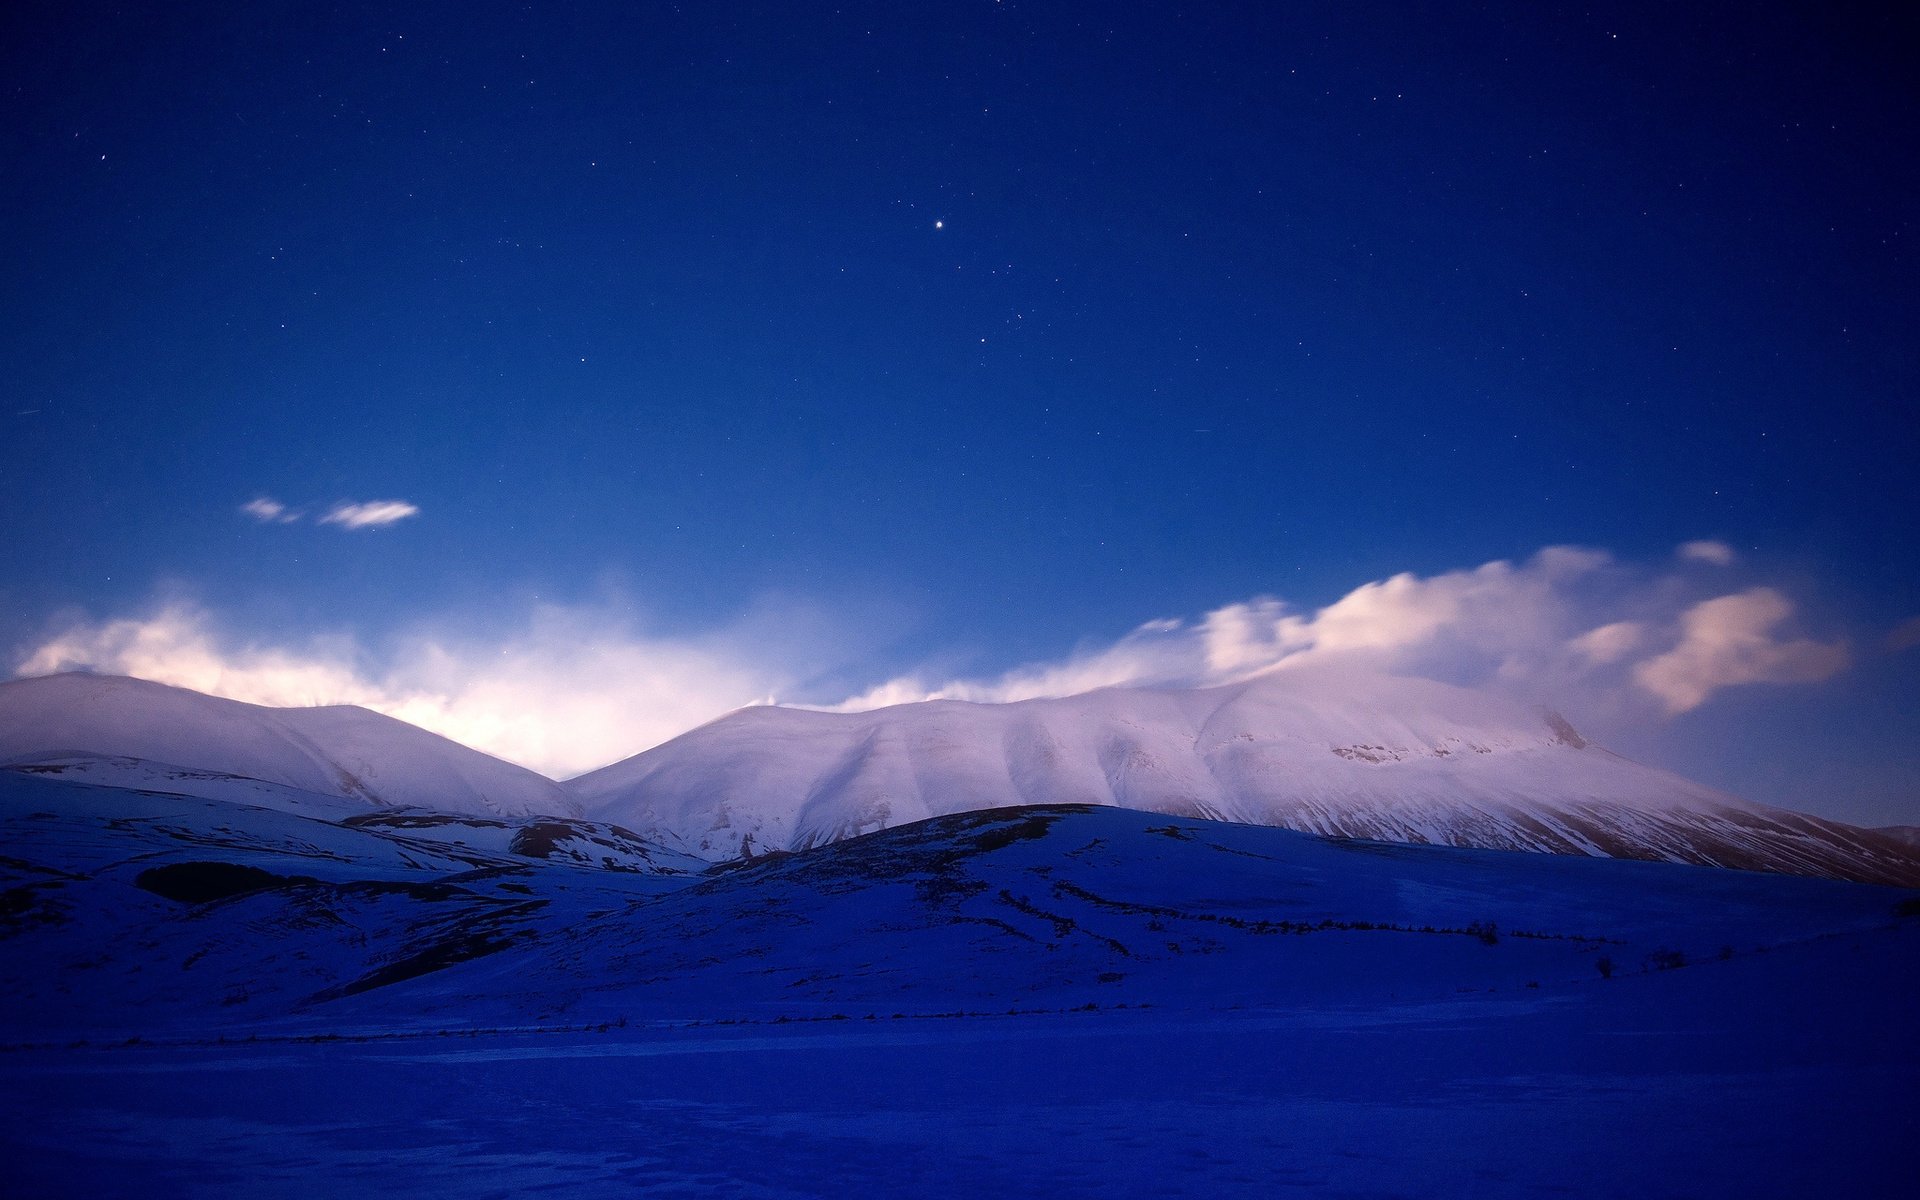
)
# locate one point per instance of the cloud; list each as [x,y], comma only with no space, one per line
[269,511]
[1717,554]
[347,514]
[1729,641]
[568,690]
[1568,623]
[370,515]
[1610,643]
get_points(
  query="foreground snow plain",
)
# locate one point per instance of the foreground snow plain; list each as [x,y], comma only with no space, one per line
[1783,1075]
[1043,1001]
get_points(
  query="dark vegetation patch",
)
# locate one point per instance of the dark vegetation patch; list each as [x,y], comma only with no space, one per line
[31,904]
[937,846]
[763,859]
[539,839]
[16,900]
[407,820]
[1062,926]
[370,888]
[975,818]
[466,936]
[944,889]
[1412,850]
[996,923]
[29,868]
[201,882]
[550,838]
[1369,754]
[1486,932]
[1002,836]
[435,957]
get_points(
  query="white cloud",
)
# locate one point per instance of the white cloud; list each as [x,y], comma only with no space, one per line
[1159,651]
[1717,554]
[269,511]
[1728,641]
[1610,643]
[570,690]
[1569,622]
[370,515]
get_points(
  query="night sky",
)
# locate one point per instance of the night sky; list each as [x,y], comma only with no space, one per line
[832,345]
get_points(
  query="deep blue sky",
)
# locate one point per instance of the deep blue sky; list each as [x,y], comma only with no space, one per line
[1223,301]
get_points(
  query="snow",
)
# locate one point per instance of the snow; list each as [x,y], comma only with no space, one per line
[1035,1002]
[1029,909]
[239,958]
[143,775]
[1352,755]
[340,751]
[1347,755]
[1675,1084]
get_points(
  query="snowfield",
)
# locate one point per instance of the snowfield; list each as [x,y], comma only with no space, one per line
[1393,759]
[343,752]
[1384,758]
[214,984]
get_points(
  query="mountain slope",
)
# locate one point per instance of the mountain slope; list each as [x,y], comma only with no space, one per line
[1030,1002]
[130,912]
[1067,907]
[1392,759]
[342,751]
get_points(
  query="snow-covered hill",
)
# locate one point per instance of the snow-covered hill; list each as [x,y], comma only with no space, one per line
[340,751]
[1393,759]
[208,996]
[131,912]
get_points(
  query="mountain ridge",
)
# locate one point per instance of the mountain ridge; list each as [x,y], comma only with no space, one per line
[1376,757]
[1372,757]
[337,750]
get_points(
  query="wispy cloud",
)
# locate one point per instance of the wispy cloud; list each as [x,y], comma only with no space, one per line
[1569,620]
[1717,554]
[568,690]
[269,511]
[370,515]
[572,688]
[347,514]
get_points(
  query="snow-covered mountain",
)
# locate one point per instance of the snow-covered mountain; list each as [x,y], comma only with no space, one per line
[351,753]
[128,912]
[1393,759]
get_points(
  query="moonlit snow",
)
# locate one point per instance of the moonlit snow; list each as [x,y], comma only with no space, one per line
[222,984]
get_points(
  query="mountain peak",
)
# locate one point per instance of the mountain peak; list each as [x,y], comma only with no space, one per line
[335,750]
